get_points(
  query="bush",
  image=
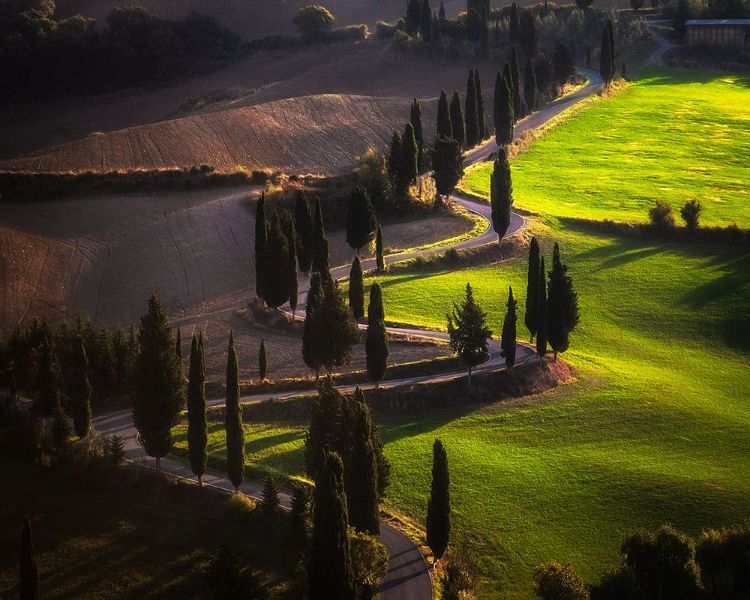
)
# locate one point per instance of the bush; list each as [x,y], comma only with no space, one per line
[662,217]
[691,213]
[384,31]
[724,559]
[458,581]
[553,581]
[617,584]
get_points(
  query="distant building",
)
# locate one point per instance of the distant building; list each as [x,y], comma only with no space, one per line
[718,32]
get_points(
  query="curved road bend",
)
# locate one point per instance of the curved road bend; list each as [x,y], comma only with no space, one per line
[408,576]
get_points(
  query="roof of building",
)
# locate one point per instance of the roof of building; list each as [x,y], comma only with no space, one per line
[718,22]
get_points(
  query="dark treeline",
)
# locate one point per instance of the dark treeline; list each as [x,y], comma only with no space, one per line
[40,56]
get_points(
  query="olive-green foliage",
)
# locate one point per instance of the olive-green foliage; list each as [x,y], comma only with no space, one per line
[439,504]
[29,571]
[233,422]
[312,22]
[115,449]
[369,564]
[519,110]
[691,213]
[661,217]
[553,581]
[361,470]
[409,156]
[300,509]
[81,390]
[196,405]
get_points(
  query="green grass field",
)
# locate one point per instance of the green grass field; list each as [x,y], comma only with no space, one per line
[672,136]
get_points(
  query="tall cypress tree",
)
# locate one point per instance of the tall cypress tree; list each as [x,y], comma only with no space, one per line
[303,223]
[501,194]
[441,12]
[376,344]
[311,339]
[159,394]
[503,110]
[439,505]
[562,305]
[514,24]
[235,432]
[515,71]
[508,340]
[362,478]
[613,51]
[291,237]
[29,571]
[532,289]
[472,121]
[356,290]
[426,22]
[81,390]
[178,344]
[321,261]
[605,58]
[416,121]
[360,219]
[541,308]
[379,258]
[394,159]
[276,265]
[326,426]
[447,164]
[444,126]
[413,17]
[458,123]
[409,157]
[196,403]
[262,360]
[529,39]
[529,87]
[482,127]
[261,233]
[330,574]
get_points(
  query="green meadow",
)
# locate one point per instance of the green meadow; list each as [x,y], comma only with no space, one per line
[656,426]
[671,136]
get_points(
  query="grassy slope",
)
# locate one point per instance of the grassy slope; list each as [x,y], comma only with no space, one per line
[672,136]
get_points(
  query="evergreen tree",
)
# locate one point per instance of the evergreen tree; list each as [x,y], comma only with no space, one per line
[447,164]
[532,289]
[321,261]
[196,404]
[514,24]
[508,340]
[529,38]
[529,87]
[409,156]
[562,305]
[379,258]
[303,224]
[115,448]
[356,290]
[472,120]
[310,336]
[439,505]
[606,60]
[515,70]
[261,233]
[178,345]
[481,113]
[444,125]
[501,194]
[159,396]
[503,110]
[541,307]
[361,479]
[81,390]
[47,378]
[468,331]
[29,571]
[330,574]
[613,51]
[291,237]
[394,159]
[326,427]
[563,66]
[416,122]
[235,440]
[484,36]
[376,344]
[262,360]
[360,219]
[441,13]
[300,508]
[276,265]
[413,18]
[270,501]
[458,124]
[426,22]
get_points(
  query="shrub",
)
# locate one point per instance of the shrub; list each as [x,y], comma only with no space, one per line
[661,217]
[724,559]
[690,213]
[553,581]
[458,581]
[617,584]
[384,31]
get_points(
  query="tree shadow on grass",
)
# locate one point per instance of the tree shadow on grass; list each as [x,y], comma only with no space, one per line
[263,443]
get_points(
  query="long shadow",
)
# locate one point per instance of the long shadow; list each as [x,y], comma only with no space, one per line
[667,76]
[263,443]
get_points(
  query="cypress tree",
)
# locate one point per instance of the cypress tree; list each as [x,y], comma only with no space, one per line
[503,110]
[529,38]
[29,571]
[235,432]
[178,345]
[472,120]
[514,24]
[47,378]
[270,501]
[508,340]
[291,237]
[310,336]
[276,265]
[360,219]
[330,574]
[196,403]
[304,227]
[458,124]
[562,305]
[607,54]
[261,233]
[447,164]
[484,35]
[541,306]
[416,121]
[426,22]
[321,261]
[81,390]
[362,478]
[376,344]
[501,194]
[325,426]
[159,394]
[515,72]
[482,127]
[394,159]
[613,50]
[300,509]
[379,258]
[529,87]
[441,13]
[532,289]
[468,331]
[262,360]
[413,17]
[356,290]
[444,125]
[439,505]
[410,155]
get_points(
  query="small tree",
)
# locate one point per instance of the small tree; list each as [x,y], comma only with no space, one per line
[197,422]
[235,439]
[439,505]
[313,22]
[29,571]
[691,213]
[115,449]
[662,218]
[503,111]
[270,502]
[360,219]
[81,390]
[553,581]
[508,340]
[447,165]
[376,343]
[262,360]
[458,122]
[357,290]
[501,194]
[562,305]
[444,125]
[379,258]
[468,331]
[261,234]
[369,564]
[541,307]
[303,225]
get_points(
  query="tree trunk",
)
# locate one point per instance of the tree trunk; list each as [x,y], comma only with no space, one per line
[469,386]
[158,465]
[554,355]
[200,480]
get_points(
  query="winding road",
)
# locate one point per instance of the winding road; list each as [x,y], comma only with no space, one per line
[408,576]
